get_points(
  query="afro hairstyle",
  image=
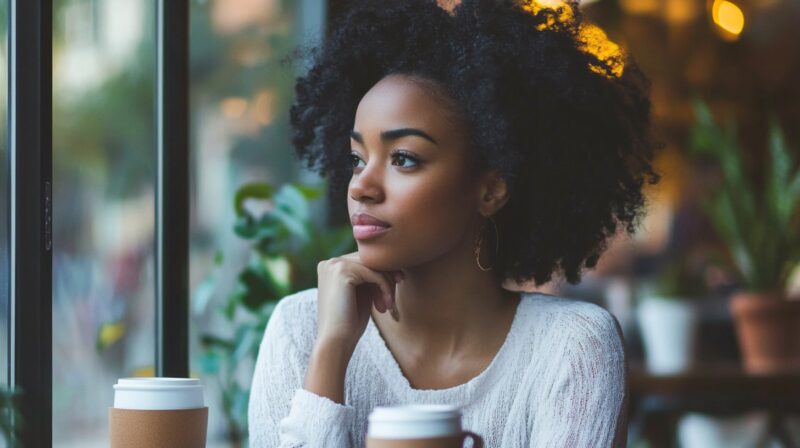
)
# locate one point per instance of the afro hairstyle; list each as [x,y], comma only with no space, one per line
[565,127]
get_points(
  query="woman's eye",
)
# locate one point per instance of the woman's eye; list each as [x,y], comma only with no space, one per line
[403,157]
[354,160]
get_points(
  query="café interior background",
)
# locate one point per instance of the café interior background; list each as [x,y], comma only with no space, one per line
[741,58]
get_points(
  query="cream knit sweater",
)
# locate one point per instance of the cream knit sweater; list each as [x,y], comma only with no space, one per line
[559,380]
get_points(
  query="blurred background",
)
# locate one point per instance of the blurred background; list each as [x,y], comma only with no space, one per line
[702,291]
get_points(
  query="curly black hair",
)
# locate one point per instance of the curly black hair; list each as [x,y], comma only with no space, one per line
[567,131]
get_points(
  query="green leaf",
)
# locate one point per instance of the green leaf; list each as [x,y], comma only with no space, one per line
[202,294]
[706,138]
[778,177]
[794,186]
[293,224]
[279,270]
[246,340]
[240,401]
[268,226]
[246,226]
[250,191]
[234,299]
[212,342]
[257,290]
[290,199]
[310,192]
[258,286]
[210,363]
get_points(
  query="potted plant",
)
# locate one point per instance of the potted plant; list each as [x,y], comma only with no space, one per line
[286,245]
[760,225]
[668,314]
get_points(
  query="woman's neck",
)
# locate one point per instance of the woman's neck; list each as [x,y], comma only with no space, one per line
[448,306]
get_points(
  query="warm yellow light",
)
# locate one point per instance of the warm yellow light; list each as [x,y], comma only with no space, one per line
[592,38]
[144,371]
[728,16]
[550,3]
[681,11]
[596,42]
[640,6]
[565,14]
[264,105]
[233,107]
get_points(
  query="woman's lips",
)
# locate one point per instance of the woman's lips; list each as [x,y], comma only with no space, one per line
[366,226]
[363,232]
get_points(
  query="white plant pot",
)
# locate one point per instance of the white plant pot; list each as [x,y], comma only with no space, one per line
[669,329]
[705,431]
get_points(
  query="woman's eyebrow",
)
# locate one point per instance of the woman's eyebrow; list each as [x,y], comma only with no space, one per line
[395,134]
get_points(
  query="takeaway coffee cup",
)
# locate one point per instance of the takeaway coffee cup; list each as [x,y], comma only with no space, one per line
[158,413]
[418,426]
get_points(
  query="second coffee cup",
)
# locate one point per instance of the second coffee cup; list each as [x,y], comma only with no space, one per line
[158,413]
[418,426]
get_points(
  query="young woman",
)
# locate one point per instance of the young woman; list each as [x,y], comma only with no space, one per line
[489,143]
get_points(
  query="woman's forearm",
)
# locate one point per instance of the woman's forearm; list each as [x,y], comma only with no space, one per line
[327,368]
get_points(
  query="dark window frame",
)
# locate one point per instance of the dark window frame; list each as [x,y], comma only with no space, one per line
[172,188]
[30,152]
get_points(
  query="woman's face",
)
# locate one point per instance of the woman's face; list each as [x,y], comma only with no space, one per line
[411,170]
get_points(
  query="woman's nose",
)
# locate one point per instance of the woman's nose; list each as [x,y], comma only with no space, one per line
[366,185]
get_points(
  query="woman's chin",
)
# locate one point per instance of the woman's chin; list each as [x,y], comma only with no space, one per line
[378,260]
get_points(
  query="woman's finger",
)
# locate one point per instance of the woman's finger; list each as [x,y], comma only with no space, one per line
[368,275]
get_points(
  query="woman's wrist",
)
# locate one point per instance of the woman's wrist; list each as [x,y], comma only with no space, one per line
[327,368]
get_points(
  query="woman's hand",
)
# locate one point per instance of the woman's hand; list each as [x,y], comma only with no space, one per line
[346,292]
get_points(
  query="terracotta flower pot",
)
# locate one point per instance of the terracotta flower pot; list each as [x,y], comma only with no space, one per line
[768,328]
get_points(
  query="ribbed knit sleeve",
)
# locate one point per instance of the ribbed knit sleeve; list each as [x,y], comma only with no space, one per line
[282,414]
[588,401]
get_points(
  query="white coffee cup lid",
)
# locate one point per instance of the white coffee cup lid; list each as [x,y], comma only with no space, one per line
[158,393]
[414,421]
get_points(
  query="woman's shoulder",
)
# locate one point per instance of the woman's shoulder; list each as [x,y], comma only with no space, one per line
[576,321]
[299,303]
[296,316]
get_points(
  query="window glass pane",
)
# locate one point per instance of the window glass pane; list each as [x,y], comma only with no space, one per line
[240,133]
[5,199]
[103,174]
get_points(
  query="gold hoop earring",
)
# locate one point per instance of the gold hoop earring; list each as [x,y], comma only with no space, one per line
[479,243]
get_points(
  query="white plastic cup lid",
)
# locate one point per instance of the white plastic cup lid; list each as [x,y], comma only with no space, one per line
[414,421]
[158,393]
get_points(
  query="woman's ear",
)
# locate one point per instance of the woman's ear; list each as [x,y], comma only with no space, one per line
[493,193]
[448,5]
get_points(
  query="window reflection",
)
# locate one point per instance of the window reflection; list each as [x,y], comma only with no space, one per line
[103,168]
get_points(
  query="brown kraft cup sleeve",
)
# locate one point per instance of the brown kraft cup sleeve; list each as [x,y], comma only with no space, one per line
[181,428]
